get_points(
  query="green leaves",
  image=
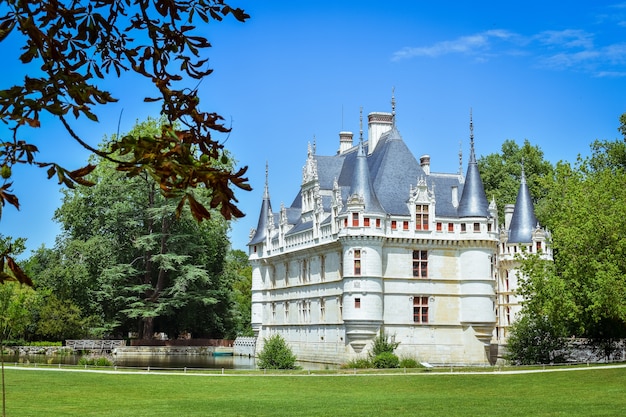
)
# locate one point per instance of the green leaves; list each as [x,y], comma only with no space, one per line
[76,44]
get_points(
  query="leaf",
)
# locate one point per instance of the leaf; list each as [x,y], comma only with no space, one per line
[17,271]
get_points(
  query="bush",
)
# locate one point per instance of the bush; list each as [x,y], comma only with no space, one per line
[382,344]
[386,360]
[357,364]
[276,354]
[95,361]
[410,363]
[535,340]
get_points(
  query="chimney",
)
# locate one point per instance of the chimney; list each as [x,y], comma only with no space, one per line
[455,196]
[425,164]
[345,141]
[508,215]
[377,123]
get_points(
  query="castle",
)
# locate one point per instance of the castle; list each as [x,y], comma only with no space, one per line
[374,242]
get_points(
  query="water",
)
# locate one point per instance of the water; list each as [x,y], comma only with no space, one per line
[160,361]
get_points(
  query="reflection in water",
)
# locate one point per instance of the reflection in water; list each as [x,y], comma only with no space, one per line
[162,361]
[185,361]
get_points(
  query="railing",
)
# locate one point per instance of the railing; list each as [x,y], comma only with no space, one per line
[99,345]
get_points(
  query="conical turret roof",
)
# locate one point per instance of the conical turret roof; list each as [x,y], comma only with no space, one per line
[264,215]
[362,183]
[524,220]
[473,201]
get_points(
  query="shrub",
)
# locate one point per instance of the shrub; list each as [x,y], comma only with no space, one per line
[276,354]
[534,339]
[382,344]
[362,363]
[95,360]
[386,360]
[410,363]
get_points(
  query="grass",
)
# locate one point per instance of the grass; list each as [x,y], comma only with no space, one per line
[590,392]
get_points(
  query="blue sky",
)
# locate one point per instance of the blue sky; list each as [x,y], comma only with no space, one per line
[297,72]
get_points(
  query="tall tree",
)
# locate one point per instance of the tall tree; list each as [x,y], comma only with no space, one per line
[588,223]
[154,269]
[76,44]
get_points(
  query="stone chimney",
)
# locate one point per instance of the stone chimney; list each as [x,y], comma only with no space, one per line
[377,123]
[508,215]
[455,196]
[345,141]
[425,164]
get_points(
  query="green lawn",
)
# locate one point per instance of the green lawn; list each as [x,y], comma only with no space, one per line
[592,392]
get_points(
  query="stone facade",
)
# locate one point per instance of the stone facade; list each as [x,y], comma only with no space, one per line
[376,242]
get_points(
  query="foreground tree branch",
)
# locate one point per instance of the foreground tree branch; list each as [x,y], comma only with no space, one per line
[76,43]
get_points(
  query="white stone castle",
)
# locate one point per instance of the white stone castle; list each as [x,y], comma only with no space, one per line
[375,242]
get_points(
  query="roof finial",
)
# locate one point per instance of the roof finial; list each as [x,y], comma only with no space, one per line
[461,157]
[314,145]
[393,106]
[472,155]
[266,194]
[361,124]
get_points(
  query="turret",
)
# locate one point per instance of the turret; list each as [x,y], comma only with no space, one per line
[523,220]
[473,201]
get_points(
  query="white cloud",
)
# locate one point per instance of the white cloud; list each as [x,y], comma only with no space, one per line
[469,45]
[568,38]
[572,49]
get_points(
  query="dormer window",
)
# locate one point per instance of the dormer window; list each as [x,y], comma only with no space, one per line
[355,219]
[421,217]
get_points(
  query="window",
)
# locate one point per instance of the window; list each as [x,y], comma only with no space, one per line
[538,246]
[378,223]
[405,225]
[357,303]
[476,227]
[394,224]
[366,222]
[489,227]
[421,217]
[323,267]
[286,311]
[345,222]
[420,263]
[439,226]
[420,309]
[463,227]
[322,309]
[286,273]
[355,219]
[357,262]
[450,227]
[303,272]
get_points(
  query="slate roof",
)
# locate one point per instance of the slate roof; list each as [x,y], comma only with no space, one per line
[391,170]
[523,221]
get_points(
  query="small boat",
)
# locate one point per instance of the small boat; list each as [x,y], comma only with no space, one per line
[223,351]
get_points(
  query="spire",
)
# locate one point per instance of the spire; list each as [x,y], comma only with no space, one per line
[362,183]
[393,107]
[361,124]
[473,201]
[265,215]
[523,221]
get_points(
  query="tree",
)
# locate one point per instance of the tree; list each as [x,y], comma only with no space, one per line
[501,174]
[13,298]
[584,289]
[535,339]
[145,267]
[240,272]
[75,45]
